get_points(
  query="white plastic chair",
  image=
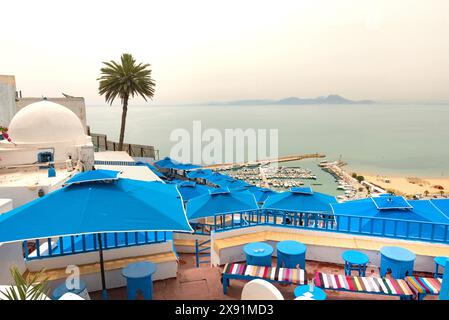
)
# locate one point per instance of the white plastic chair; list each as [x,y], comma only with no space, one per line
[70,296]
[259,289]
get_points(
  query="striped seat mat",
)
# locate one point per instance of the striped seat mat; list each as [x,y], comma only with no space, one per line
[424,285]
[296,276]
[363,284]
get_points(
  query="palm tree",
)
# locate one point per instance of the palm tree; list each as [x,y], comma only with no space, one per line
[125,80]
[26,287]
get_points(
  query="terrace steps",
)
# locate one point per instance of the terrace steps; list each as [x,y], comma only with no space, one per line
[184,242]
[328,240]
[56,274]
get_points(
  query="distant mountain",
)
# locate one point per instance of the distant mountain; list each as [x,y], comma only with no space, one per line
[330,99]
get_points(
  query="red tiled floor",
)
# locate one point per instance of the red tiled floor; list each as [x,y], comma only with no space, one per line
[204,283]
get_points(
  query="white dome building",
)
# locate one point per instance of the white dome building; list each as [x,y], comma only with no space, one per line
[45,121]
[45,127]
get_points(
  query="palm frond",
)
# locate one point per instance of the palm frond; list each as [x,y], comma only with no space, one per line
[26,287]
[125,79]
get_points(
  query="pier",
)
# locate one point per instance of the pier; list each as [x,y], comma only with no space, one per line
[265,161]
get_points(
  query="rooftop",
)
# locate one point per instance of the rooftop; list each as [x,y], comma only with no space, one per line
[32,176]
[204,284]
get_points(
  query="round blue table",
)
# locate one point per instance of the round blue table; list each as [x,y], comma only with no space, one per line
[62,289]
[258,254]
[439,262]
[355,260]
[316,294]
[139,277]
[399,260]
[291,253]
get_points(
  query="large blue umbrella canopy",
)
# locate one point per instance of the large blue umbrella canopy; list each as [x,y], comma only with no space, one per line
[89,205]
[169,163]
[152,168]
[219,201]
[303,200]
[92,176]
[214,177]
[262,194]
[164,162]
[231,183]
[97,207]
[190,190]
[355,216]
[199,174]
[442,205]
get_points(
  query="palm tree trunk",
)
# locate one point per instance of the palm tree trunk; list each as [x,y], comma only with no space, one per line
[123,125]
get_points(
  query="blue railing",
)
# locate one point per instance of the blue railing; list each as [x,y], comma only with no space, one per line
[68,245]
[367,226]
[202,249]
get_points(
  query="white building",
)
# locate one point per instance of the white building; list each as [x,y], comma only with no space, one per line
[42,134]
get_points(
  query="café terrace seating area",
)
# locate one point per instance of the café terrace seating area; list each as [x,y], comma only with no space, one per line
[208,237]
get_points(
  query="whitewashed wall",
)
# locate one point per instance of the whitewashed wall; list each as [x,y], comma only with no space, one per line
[316,252]
[10,253]
[7,99]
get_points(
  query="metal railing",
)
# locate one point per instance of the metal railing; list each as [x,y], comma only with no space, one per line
[69,245]
[201,250]
[349,224]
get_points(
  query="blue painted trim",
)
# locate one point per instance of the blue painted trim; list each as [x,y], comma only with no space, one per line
[84,249]
[322,222]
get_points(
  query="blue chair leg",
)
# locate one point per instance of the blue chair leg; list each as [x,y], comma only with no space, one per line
[444,291]
[279,260]
[131,290]
[383,270]
[347,272]
[436,276]
[225,285]
[147,288]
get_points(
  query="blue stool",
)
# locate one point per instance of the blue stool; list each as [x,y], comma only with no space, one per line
[139,277]
[439,262]
[316,294]
[62,289]
[258,254]
[355,260]
[290,254]
[399,260]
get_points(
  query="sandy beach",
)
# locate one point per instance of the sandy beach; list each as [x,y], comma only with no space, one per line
[409,185]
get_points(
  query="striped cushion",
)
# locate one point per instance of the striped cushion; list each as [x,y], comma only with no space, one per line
[296,276]
[424,285]
[362,284]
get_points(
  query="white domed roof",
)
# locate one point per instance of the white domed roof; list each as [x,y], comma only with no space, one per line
[43,122]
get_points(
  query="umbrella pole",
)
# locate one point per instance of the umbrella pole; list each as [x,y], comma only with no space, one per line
[104,293]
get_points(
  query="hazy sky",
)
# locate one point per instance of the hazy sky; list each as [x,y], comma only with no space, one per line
[223,50]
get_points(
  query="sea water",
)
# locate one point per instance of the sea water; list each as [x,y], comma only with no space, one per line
[377,138]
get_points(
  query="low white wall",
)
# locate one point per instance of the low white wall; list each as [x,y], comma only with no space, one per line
[115,279]
[188,236]
[5,205]
[10,255]
[92,257]
[314,252]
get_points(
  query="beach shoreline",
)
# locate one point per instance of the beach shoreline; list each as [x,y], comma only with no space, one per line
[406,184]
